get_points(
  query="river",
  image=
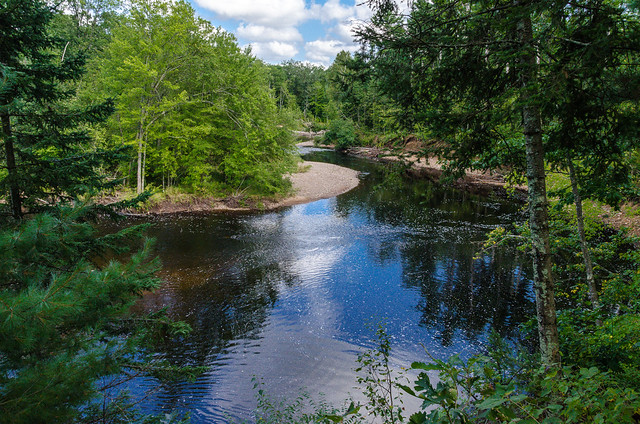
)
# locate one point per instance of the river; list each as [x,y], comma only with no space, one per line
[291,297]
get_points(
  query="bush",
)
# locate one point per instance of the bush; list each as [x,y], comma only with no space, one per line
[66,331]
[341,133]
[479,391]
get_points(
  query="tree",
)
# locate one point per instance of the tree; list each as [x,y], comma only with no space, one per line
[63,318]
[471,75]
[301,82]
[491,79]
[85,25]
[195,108]
[141,68]
[356,91]
[47,153]
[593,123]
[67,338]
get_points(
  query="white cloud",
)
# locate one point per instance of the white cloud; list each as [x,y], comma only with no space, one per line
[343,31]
[272,13]
[333,10]
[262,33]
[324,51]
[363,11]
[274,51]
[272,27]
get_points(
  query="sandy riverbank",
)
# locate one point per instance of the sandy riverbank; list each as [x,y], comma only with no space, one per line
[315,181]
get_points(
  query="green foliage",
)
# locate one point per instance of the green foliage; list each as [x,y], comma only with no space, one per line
[193,108]
[67,339]
[505,384]
[85,25]
[64,322]
[358,94]
[48,153]
[379,382]
[606,337]
[614,345]
[341,133]
[301,410]
[592,120]
[301,84]
[497,387]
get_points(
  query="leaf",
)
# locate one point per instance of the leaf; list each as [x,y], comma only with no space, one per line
[427,367]
[493,402]
[418,418]
[352,409]
[407,389]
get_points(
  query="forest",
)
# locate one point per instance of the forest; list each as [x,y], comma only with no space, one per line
[145,99]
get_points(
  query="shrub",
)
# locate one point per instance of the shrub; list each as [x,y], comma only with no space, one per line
[341,133]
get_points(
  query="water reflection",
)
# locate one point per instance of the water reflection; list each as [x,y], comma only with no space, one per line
[285,295]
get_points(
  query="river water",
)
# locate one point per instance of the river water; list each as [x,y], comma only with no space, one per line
[291,297]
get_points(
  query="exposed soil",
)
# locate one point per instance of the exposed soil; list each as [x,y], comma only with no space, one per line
[627,217]
[483,183]
[315,181]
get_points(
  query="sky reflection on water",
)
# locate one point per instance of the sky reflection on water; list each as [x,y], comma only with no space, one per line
[292,296]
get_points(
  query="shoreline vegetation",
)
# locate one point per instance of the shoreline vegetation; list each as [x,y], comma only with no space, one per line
[317,180]
[313,181]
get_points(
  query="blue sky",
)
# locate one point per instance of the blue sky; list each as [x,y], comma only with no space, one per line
[307,30]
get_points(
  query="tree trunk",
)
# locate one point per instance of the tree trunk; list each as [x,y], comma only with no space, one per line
[139,187]
[538,204]
[144,163]
[14,186]
[588,264]
[141,148]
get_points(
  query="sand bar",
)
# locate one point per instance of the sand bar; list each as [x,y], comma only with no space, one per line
[315,181]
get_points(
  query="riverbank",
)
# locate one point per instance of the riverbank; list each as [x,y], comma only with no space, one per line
[313,181]
[482,183]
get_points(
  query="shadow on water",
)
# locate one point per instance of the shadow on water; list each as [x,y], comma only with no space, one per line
[460,292]
[285,295]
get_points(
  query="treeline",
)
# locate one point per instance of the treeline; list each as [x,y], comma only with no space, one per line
[346,95]
[192,109]
[99,95]
[538,90]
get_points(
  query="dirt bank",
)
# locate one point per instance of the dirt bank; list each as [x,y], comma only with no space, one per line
[315,181]
[482,183]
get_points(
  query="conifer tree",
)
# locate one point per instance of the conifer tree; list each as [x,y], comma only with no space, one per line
[67,337]
[593,122]
[490,79]
[47,152]
[469,72]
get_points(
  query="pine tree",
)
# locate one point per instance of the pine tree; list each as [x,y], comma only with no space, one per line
[47,151]
[67,337]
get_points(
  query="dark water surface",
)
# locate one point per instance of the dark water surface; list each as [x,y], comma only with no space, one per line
[286,296]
